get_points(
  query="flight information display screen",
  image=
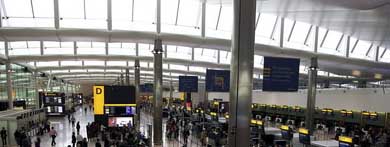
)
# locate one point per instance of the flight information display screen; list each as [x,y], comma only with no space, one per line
[120,121]
[119,95]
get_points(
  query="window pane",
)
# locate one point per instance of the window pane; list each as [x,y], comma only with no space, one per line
[94,63]
[361,49]
[116,63]
[225,57]
[208,55]
[223,27]
[179,52]
[145,49]
[22,48]
[49,63]
[71,63]
[178,67]
[73,16]
[121,49]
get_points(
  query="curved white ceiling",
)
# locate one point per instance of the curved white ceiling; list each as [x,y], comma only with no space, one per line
[331,63]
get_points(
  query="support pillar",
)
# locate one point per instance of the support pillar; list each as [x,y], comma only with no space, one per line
[127,77]
[122,80]
[36,87]
[157,95]
[8,68]
[137,97]
[311,95]
[170,89]
[241,72]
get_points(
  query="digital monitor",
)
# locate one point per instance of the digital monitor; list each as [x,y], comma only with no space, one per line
[119,121]
[130,110]
[304,138]
[342,144]
[60,109]
[119,95]
[120,111]
[286,134]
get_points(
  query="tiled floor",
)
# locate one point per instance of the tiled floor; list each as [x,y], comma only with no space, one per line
[64,130]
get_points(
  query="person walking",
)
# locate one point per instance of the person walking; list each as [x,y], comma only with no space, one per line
[38,142]
[3,134]
[73,139]
[69,118]
[53,134]
[79,139]
[73,121]
[78,127]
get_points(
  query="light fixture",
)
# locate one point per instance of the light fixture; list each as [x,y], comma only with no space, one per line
[378,76]
[356,73]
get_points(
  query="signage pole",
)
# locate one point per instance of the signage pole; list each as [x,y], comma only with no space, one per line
[311,95]
[241,72]
[157,96]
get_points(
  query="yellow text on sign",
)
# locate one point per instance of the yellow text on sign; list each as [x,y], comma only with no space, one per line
[98,99]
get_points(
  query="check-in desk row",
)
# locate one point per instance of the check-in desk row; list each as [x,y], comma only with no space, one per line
[379,119]
[17,119]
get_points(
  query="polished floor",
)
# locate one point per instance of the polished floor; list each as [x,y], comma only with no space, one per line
[65,129]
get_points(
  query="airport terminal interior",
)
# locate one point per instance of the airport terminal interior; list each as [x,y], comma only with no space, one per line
[194,73]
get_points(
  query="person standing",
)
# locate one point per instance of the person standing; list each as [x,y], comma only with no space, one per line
[98,144]
[3,134]
[84,143]
[17,136]
[73,139]
[78,127]
[53,134]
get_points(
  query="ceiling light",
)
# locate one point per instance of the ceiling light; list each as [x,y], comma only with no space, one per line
[378,76]
[356,73]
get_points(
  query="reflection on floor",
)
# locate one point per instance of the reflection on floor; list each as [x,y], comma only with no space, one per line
[64,130]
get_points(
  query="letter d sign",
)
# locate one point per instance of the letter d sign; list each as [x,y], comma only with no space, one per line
[98,91]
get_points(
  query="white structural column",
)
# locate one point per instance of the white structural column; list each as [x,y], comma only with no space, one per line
[311,95]
[347,50]
[8,68]
[36,87]
[109,15]
[171,88]
[127,76]
[157,95]
[137,97]
[316,39]
[122,80]
[241,74]
[281,41]
[56,15]
[203,27]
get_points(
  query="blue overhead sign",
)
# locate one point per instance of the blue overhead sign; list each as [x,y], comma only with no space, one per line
[280,74]
[217,80]
[188,84]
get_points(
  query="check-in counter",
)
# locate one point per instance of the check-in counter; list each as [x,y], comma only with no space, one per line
[28,119]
